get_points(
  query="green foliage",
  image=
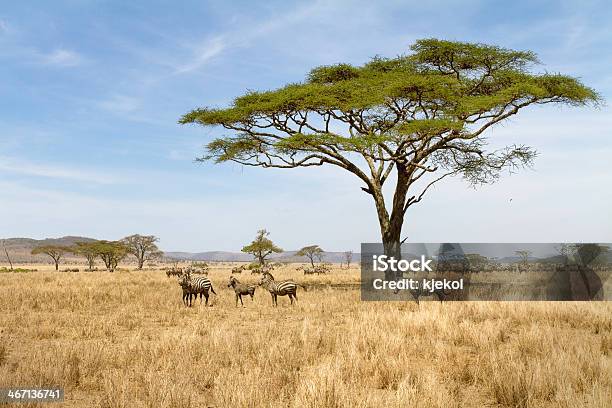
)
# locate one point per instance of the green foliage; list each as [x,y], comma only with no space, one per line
[88,250]
[261,247]
[311,252]
[111,253]
[5,269]
[56,252]
[422,114]
[143,247]
[449,84]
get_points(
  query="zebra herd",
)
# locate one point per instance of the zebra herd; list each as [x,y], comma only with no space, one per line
[201,285]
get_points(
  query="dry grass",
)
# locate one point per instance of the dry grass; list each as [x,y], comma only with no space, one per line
[125,339]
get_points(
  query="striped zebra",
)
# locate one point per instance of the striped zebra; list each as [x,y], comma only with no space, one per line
[279,288]
[241,289]
[194,286]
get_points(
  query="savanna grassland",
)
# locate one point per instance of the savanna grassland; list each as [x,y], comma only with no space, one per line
[124,339]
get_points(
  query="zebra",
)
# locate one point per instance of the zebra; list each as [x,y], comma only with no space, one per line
[279,288]
[194,286]
[241,289]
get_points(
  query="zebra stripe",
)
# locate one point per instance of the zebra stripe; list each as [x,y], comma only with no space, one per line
[280,288]
[194,286]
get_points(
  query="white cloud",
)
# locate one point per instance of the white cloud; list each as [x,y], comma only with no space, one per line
[204,54]
[242,37]
[120,104]
[62,58]
[22,167]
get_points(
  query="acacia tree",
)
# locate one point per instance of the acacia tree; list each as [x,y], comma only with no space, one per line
[143,247]
[8,258]
[111,253]
[261,247]
[311,252]
[56,252]
[420,117]
[348,257]
[524,255]
[88,250]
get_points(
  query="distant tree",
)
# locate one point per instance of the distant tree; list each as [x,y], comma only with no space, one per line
[261,247]
[56,252]
[524,255]
[311,252]
[348,258]
[8,258]
[412,121]
[111,253]
[566,251]
[476,262]
[87,250]
[143,247]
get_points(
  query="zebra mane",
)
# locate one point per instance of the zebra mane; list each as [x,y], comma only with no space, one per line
[269,274]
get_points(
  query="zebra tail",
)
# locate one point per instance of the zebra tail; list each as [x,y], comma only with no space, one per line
[303,287]
[212,290]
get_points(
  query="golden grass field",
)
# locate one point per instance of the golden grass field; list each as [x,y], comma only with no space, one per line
[124,339]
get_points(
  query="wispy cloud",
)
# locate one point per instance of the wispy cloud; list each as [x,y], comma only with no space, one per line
[211,49]
[244,36]
[4,28]
[62,58]
[120,104]
[26,168]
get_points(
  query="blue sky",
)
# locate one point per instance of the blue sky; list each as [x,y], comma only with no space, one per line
[91,92]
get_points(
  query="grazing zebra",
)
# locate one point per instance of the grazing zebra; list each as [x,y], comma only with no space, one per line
[174,272]
[194,286]
[241,289]
[280,288]
[238,269]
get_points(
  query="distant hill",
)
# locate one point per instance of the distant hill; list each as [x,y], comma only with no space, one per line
[287,256]
[20,251]
[20,248]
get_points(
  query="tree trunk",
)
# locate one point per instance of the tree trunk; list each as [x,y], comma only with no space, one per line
[391,225]
[392,245]
[56,265]
[8,258]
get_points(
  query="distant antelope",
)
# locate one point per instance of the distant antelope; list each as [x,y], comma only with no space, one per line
[280,288]
[241,289]
[194,286]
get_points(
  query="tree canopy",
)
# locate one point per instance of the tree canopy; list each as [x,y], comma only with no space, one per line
[111,253]
[261,247]
[88,250]
[311,252]
[422,116]
[56,252]
[143,247]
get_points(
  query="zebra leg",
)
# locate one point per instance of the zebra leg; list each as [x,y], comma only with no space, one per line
[295,296]
[236,300]
[291,298]
[206,296]
[240,296]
